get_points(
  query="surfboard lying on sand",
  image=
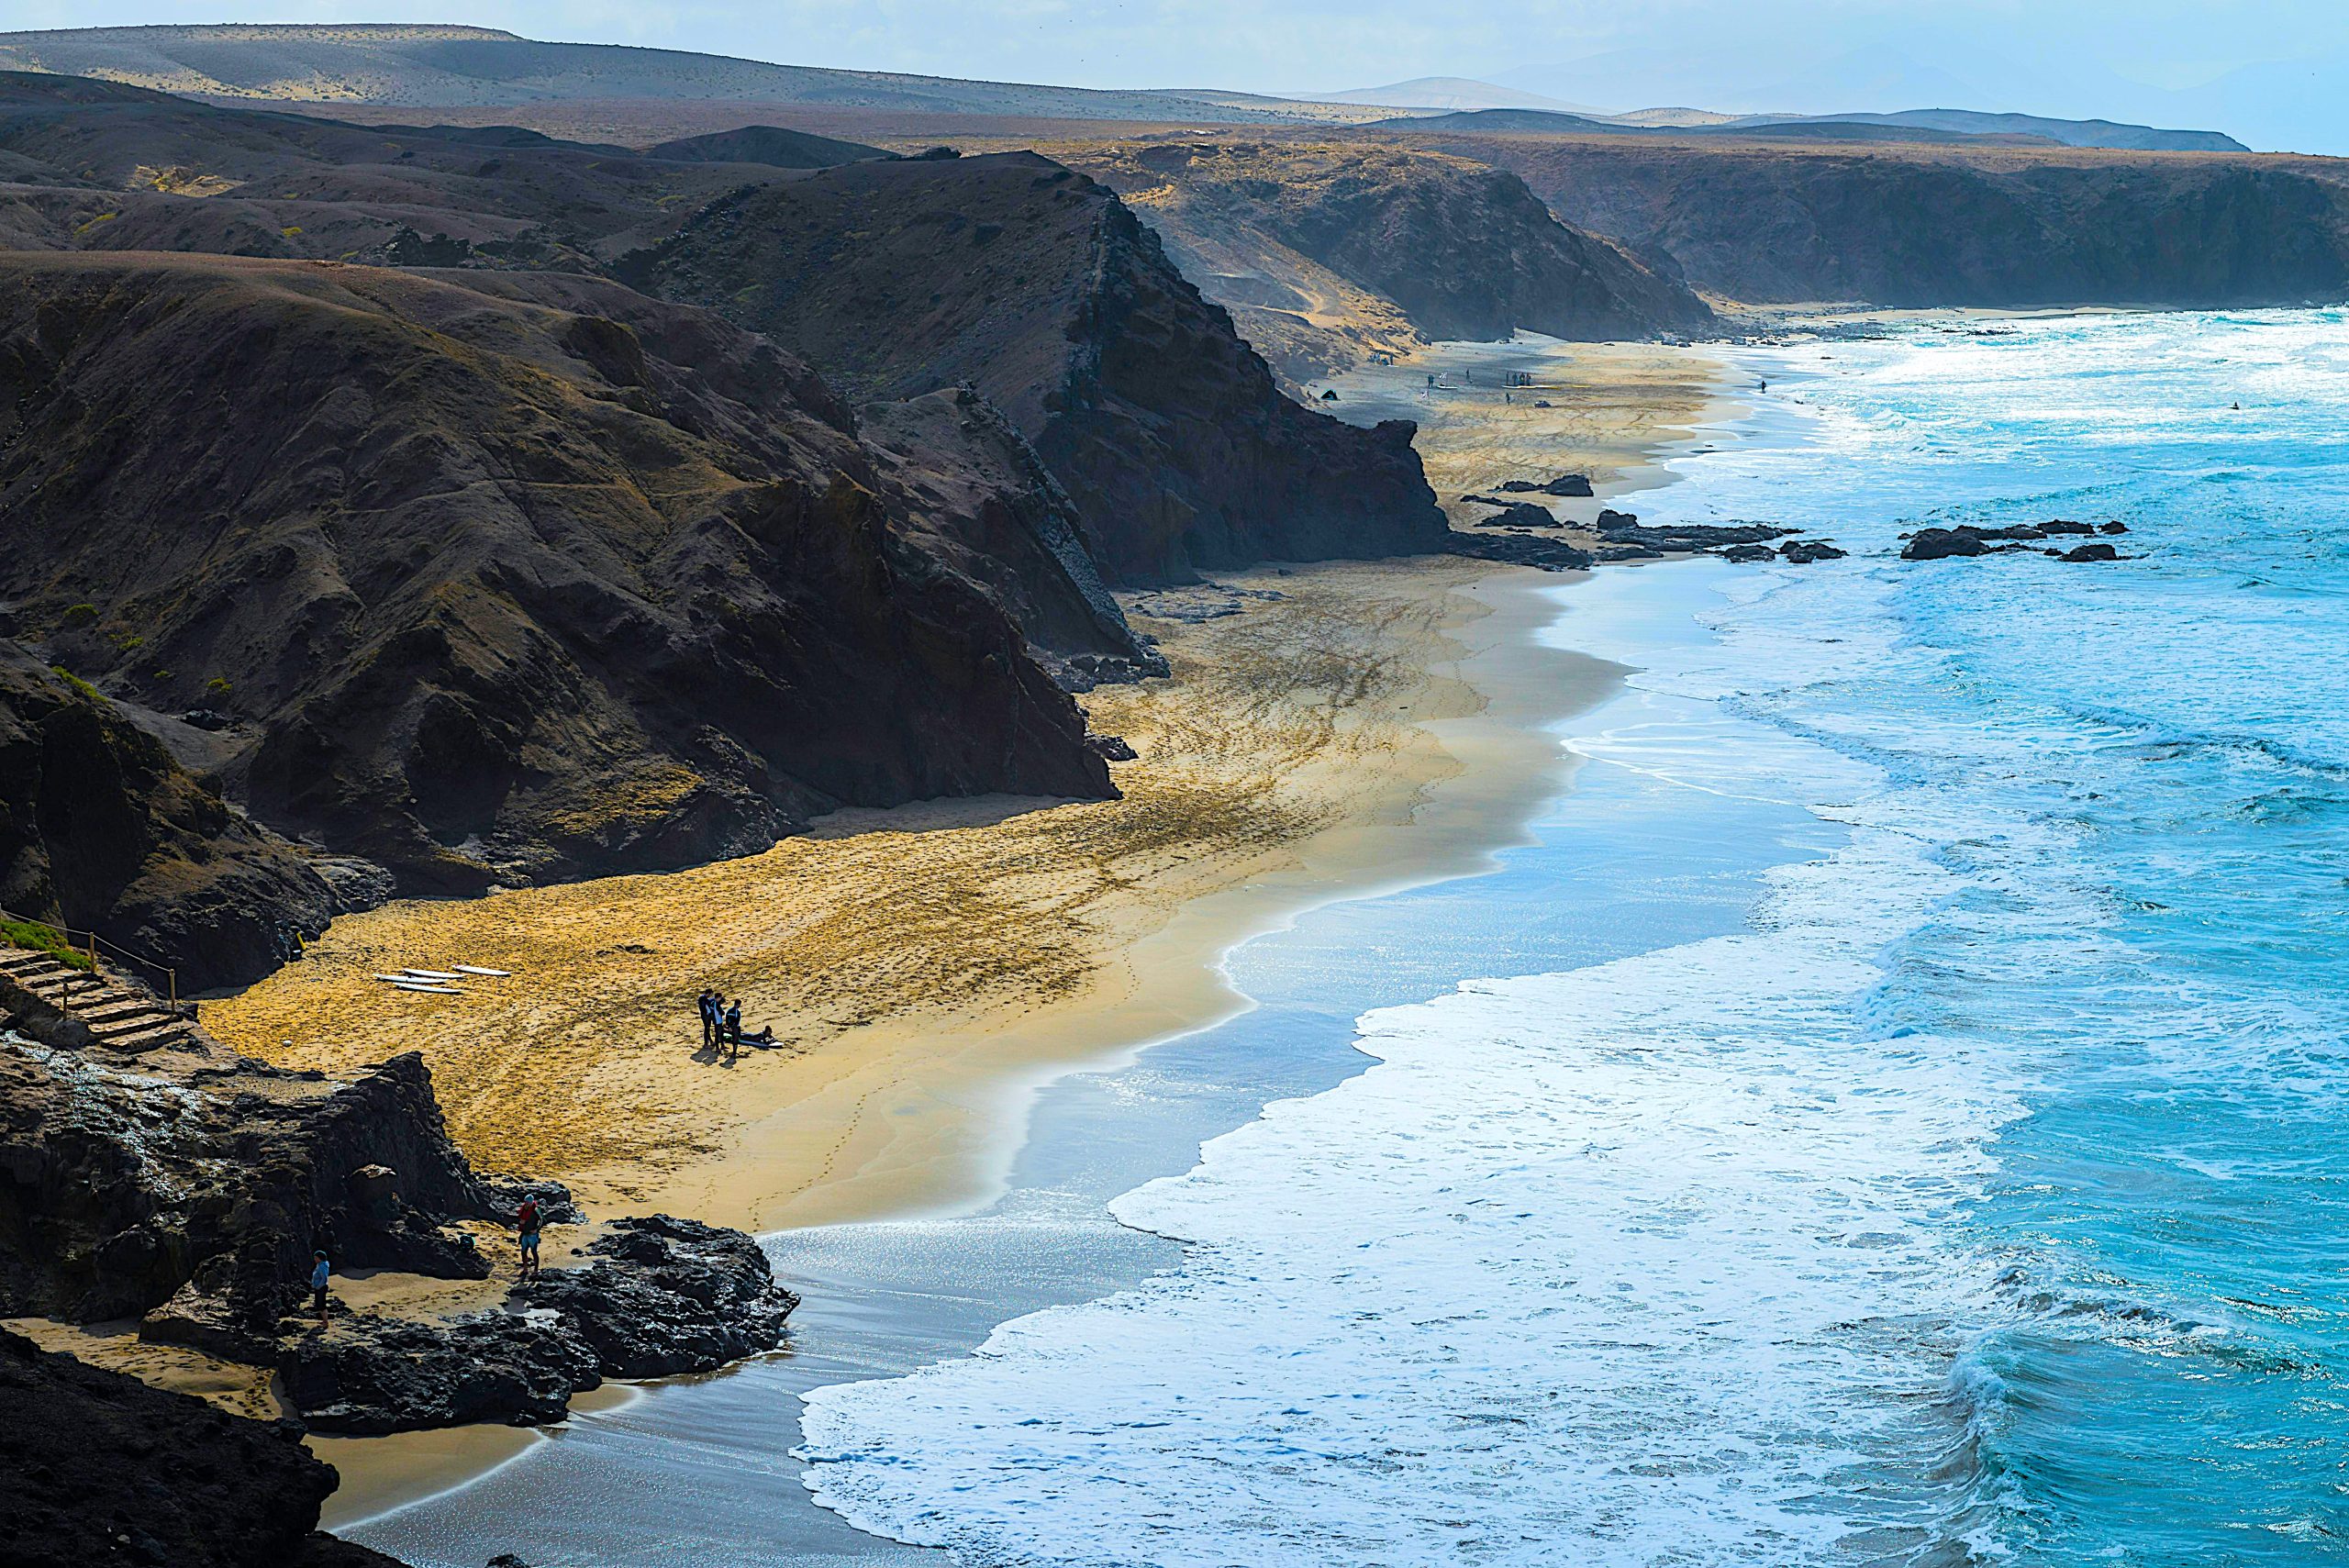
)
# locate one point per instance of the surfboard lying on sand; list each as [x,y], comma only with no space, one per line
[430,974]
[427,988]
[477,969]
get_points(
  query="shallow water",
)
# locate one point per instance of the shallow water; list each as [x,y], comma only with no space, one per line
[1963,1186]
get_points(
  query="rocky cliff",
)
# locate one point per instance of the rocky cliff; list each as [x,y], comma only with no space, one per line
[1037,287]
[96,1467]
[1280,231]
[101,828]
[1931,225]
[490,588]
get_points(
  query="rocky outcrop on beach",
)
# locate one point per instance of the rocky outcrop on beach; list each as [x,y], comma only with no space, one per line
[1038,288]
[96,1467]
[188,1188]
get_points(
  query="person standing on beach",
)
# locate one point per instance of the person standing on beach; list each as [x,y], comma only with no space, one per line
[526,1221]
[319,1270]
[734,1029]
[709,1003]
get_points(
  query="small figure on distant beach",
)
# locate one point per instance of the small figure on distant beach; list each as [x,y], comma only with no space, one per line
[734,1029]
[319,1270]
[709,1003]
[526,1221]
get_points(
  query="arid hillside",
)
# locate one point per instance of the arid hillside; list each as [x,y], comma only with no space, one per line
[502,582]
[1039,289]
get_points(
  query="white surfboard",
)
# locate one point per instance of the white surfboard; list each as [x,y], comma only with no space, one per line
[430,974]
[477,969]
[430,990]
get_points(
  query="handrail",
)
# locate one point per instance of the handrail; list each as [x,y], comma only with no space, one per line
[170,975]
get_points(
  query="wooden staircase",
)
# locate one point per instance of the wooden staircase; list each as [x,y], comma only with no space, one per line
[117,1015]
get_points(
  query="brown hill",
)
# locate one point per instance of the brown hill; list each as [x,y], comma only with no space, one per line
[530,579]
[1039,288]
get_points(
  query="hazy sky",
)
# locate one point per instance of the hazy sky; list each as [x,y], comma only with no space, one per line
[2277,69]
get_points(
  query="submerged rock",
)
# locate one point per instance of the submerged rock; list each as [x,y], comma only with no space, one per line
[2097,552]
[1940,544]
[1803,552]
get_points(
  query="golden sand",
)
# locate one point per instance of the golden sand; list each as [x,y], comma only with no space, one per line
[1352,727]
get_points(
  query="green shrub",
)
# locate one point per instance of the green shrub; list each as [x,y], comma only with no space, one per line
[218,686]
[79,684]
[38,938]
[80,615]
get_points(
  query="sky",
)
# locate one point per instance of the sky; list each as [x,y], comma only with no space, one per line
[2274,72]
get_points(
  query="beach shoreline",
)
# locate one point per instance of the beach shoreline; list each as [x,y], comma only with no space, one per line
[1358,728]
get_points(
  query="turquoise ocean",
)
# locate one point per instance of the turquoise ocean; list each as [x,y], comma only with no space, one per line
[1895,1114]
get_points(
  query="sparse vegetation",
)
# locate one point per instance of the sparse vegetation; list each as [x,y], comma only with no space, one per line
[33,935]
[80,615]
[79,684]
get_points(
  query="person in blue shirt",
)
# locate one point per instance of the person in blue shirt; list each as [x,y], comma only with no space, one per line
[319,1269]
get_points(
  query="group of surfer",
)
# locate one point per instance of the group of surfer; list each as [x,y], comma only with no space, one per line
[721,1024]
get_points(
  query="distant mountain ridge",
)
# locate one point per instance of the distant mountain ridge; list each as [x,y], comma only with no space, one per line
[431,67]
[1909,124]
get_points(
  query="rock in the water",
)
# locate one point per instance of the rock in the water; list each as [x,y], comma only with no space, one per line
[1803,552]
[1940,544]
[2115,527]
[1747,552]
[2097,552]
[97,1467]
[1610,519]
[665,1296]
[2059,525]
[368,1374]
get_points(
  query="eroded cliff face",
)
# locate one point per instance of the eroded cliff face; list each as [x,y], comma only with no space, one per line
[1927,226]
[1305,241]
[531,579]
[1037,287]
[101,828]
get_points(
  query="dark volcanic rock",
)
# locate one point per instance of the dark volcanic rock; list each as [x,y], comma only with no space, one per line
[659,1297]
[767,144]
[1039,288]
[102,829]
[2045,530]
[1517,550]
[121,1187]
[2097,552]
[664,1296]
[1747,553]
[2113,527]
[1621,528]
[530,579]
[1803,552]
[96,1467]
[1113,748]
[367,1374]
[1940,544]
[1516,514]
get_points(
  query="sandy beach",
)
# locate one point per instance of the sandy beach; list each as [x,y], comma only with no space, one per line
[1329,730]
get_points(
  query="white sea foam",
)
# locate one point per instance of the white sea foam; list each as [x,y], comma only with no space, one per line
[1639,1264]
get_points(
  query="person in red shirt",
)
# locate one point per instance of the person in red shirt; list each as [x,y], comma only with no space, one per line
[527,1221]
